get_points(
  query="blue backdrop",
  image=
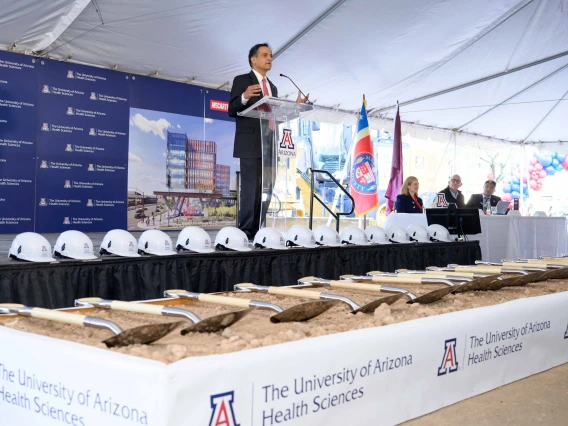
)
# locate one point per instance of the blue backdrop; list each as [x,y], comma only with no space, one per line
[64,140]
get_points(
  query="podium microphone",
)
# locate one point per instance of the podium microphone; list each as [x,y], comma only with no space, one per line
[307,101]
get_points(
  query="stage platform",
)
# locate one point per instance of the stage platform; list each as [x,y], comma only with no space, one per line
[57,285]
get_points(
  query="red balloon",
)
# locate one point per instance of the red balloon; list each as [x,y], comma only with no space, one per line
[538,166]
[542,174]
[533,161]
[530,169]
[533,184]
[507,197]
[490,176]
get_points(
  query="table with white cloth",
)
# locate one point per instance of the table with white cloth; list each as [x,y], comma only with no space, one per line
[507,237]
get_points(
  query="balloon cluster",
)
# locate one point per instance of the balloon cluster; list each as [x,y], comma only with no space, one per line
[539,167]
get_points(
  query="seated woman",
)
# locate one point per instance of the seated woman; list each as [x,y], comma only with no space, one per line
[408,200]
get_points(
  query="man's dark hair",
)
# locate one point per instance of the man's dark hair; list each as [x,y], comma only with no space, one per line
[492,182]
[254,51]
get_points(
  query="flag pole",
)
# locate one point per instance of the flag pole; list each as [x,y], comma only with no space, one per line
[363,219]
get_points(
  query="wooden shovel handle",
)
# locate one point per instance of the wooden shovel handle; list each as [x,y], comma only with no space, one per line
[282,291]
[64,317]
[142,308]
[224,300]
[463,274]
[11,305]
[355,286]
[414,279]
[437,275]
[514,265]
[484,269]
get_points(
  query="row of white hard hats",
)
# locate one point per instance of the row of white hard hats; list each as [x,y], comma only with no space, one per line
[34,247]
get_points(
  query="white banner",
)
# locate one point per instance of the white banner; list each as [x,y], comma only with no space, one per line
[375,376]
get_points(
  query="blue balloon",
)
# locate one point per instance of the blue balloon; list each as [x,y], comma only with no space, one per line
[515,195]
[507,188]
[560,158]
[535,155]
[559,168]
[555,162]
[550,170]
[516,180]
[545,160]
[515,187]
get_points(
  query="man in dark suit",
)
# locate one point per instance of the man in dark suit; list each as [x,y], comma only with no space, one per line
[452,193]
[479,201]
[254,139]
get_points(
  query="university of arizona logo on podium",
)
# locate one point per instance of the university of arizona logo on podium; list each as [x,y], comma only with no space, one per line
[287,148]
[449,361]
[441,200]
[222,410]
[363,177]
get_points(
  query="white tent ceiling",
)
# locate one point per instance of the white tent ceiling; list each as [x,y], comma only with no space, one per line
[337,50]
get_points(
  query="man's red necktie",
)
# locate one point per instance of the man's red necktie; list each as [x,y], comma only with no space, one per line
[265,92]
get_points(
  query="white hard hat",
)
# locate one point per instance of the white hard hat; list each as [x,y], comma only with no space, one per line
[326,236]
[376,235]
[439,233]
[301,236]
[74,245]
[270,238]
[396,234]
[31,247]
[120,243]
[418,233]
[231,238]
[155,242]
[353,235]
[193,238]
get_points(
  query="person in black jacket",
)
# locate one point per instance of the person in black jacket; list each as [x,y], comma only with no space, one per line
[408,200]
[479,201]
[248,89]
[453,195]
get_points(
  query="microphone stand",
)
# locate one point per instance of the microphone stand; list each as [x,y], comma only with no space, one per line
[307,101]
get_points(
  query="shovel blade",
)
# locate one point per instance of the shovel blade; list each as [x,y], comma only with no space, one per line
[516,281]
[555,274]
[303,311]
[143,335]
[477,284]
[216,322]
[432,296]
[370,307]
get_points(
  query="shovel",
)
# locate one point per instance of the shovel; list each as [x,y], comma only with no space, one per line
[512,265]
[430,274]
[300,312]
[142,334]
[539,263]
[295,292]
[366,309]
[397,279]
[430,297]
[207,325]
[477,282]
[486,269]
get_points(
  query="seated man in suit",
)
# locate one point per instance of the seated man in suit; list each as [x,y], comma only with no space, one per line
[452,194]
[480,201]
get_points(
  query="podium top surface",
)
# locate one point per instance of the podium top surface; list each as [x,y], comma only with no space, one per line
[277,109]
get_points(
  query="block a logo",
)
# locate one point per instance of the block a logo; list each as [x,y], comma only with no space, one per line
[92,132]
[43,165]
[89,203]
[45,89]
[70,74]
[441,200]
[42,202]
[45,127]
[222,412]
[449,361]
[93,96]
[66,221]
[69,148]
[287,147]
[91,168]
[67,184]
[70,111]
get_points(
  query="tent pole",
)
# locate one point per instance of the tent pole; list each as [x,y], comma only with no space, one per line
[308,28]
[474,82]
[536,83]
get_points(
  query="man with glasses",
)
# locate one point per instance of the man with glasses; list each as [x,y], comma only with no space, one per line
[486,200]
[452,193]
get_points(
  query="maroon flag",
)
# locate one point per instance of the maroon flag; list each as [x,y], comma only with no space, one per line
[396,178]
